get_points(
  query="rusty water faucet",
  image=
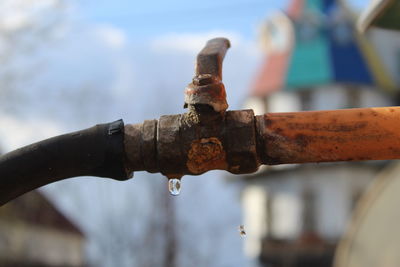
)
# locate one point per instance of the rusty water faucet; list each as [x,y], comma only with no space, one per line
[206,137]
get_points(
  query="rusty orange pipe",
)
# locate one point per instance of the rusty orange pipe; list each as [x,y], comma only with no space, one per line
[332,135]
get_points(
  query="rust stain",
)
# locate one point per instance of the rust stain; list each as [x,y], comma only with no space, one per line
[268,122]
[206,154]
[302,140]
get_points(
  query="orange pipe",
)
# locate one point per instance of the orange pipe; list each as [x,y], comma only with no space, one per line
[332,135]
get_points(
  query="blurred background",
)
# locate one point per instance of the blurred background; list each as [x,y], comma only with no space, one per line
[67,65]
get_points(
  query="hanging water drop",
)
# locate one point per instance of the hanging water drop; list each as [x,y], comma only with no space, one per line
[174,186]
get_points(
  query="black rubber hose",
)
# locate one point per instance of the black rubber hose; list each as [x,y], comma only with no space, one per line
[96,151]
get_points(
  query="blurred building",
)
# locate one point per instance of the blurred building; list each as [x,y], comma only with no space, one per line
[315,60]
[34,233]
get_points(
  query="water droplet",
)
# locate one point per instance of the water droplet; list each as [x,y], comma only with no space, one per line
[242,231]
[174,186]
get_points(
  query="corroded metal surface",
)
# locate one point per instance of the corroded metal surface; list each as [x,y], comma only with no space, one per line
[185,144]
[209,60]
[169,154]
[206,154]
[335,135]
[207,87]
[210,94]
[132,140]
[148,145]
[241,141]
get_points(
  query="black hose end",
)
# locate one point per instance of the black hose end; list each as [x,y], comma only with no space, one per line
[114,151]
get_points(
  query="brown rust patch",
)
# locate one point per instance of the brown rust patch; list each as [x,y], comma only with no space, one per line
[268,122]
[301,140]
[190,118]
[206,154]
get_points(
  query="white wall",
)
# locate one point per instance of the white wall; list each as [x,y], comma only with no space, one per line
[334,187]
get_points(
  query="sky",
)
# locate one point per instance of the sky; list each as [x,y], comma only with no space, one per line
[146,19]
